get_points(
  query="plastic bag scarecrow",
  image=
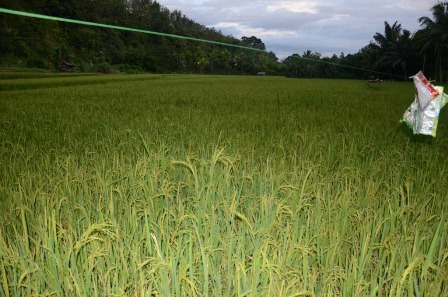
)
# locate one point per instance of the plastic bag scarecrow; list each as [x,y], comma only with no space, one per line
[423,114]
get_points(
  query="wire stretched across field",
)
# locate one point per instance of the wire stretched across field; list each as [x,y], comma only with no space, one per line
[79,22]
[52,18]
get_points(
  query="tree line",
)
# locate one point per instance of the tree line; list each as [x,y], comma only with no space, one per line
[395,54]
[36,43]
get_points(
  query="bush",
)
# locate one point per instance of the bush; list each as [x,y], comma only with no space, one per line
[83,66]
[131,69]
[103,68]
[35,63]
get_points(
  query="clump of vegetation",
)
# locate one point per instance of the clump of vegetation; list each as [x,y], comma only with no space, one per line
[131,69]
[218,185]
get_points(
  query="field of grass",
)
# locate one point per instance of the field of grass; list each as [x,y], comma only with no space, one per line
[177,185]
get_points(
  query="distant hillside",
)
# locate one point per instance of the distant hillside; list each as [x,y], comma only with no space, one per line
[35,43]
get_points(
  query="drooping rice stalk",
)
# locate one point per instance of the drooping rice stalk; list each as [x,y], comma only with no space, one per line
[194,185]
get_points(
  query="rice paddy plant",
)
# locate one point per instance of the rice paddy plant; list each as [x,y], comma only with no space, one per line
[176,185]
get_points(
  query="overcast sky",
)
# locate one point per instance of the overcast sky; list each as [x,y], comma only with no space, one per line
[286,27]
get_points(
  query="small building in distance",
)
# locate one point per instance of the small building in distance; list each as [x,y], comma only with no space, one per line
[67,67]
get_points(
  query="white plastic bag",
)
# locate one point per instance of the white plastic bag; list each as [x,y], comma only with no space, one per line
[423,114]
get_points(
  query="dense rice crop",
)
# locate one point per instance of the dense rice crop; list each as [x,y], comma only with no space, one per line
[175,185]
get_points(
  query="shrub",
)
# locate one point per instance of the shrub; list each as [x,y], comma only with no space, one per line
[131,69]
[35,63]
[102,67]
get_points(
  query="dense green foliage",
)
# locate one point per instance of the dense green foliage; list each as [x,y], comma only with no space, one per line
[176,185]
[38,43]
[32,43]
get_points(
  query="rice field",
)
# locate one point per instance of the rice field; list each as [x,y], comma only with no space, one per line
[187,185]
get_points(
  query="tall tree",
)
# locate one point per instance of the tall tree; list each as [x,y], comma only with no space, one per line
[435,33]
[391,34]
[383,42]
[399,53]
[253,42]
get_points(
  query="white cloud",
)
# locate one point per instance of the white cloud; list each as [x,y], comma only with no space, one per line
[293,26]
[294,6]
[251,31]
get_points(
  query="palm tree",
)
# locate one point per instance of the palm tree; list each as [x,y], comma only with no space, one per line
[435,32]
[384,42]
[391,34]
[399,53]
